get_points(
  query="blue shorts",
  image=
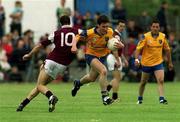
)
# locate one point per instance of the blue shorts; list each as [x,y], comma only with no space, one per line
[149,69]
[89,58]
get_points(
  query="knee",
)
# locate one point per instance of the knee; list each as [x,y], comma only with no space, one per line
[103,72]
[38,87]
[118,78]
[160,81]
[143,82]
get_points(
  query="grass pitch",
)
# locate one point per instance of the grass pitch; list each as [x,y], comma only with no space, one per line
[87,105]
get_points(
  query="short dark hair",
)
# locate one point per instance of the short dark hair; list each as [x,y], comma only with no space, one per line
[65,20]
[155,21]
[121,21]
[102,19]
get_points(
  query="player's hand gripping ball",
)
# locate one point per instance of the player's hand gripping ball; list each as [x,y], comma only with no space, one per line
[111,44]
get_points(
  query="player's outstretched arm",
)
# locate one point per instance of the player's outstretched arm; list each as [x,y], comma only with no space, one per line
[33,51]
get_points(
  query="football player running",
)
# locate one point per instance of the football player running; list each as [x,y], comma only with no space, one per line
[95,56]
[56,62]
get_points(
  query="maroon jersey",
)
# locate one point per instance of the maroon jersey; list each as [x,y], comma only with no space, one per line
[62,40]
[117,35]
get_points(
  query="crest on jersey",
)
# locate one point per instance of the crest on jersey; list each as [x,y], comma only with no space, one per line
[160,41]
[106,38]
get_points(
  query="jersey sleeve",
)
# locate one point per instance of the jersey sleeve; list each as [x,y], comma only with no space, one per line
[48,41]
[166,45]
[141,43]
[110,32]
[81,36]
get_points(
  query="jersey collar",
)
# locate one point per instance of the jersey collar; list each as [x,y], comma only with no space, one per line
[66,26]
[95,31]
[154,35]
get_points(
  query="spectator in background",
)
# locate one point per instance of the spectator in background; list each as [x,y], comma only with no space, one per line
[96,16]
[28,39]
[16,16]
[60,11]
[15,75]
[7,45]
[130,46]
[77,20]
[2,21]
[118,12]
[133,29]
[16,58]
[173,43]
[162,17]
[88,21]
[4,65]
[144,21]
[132,72]
[15,38]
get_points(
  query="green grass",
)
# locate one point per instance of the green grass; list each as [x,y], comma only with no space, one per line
[87,105]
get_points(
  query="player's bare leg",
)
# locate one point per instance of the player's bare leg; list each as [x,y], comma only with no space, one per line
[97,69]
[90,77]
[101,69]
[26,101]
[34,92]
[159,74]
[115,83]
[43,80]
[144,80]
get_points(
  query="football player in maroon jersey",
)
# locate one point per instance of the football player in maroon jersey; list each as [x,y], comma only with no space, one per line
[116,71]
[55,63]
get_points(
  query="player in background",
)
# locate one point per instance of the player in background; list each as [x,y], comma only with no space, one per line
[151,49]
[56,62]
[95,56]
[111,61]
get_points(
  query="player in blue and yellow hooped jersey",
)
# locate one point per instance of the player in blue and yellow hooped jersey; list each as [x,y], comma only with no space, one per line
[95,56]
[152,47]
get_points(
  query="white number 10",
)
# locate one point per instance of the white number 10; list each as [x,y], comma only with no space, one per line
[64,40]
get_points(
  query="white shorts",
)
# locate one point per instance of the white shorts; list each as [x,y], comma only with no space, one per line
[111,62]
[53,69]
